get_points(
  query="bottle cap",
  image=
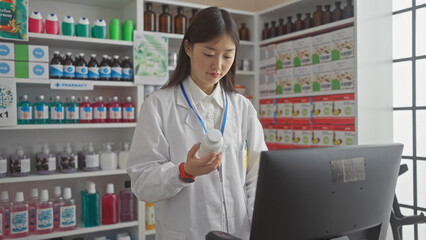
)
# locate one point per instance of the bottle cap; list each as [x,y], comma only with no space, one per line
[20,151]
[52,17]
[115,98]
[34,193]
[100,22]
[116,56]
[126,57]
[56,52]
[57,191]
[214,136]
[19,197]
[86,98]
[84,21]
[45,149]
[25,97]
[81,54]
[105,56]
[92,188]
[93,55]
[129,99]
[68,19]
[110,188]
[72,98]
[88,185]
[127,184]
[4,196]
[41,98]
[67,193]
[57,98]
[126,146]
[69,53]
[36,15]
[100,98]
[68,148]
[108,147]
[44,195]
[90,148]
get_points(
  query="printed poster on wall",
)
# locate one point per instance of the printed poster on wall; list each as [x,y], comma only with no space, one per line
[150,59]
[8,103]
[14,19]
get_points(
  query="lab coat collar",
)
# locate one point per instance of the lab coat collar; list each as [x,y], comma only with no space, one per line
[198,95]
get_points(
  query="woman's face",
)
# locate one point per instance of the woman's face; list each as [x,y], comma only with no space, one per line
[210,61]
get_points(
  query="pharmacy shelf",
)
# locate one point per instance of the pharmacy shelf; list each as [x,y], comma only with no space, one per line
[247,43]
[250,73]
[69,126]
[149,232]
[82,230]
[167,35]
[61,41]
[308,32]
[95,83]
[59,176]
[311,94]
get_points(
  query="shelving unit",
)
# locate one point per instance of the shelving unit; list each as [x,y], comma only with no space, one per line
[307,94]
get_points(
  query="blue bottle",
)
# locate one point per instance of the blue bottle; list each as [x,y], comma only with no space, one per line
[91,207]
[25,112]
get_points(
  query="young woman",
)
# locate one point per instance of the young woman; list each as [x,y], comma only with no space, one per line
[194,195]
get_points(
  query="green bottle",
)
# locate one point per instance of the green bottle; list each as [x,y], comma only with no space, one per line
[41,111]
[71,111]
[91,202]
[56,110]
[24,111]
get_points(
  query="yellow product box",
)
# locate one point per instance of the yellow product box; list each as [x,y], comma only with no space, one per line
[302,79]
[344,135]
[344,74]
[302,136]
[302,110]
[344,109]
[270,136]
[284,81]
[343,44]
[284,136]
[267,111]
[322,135]
[302,52]
[321,47]
[322,77]
[284,113]
[284,55]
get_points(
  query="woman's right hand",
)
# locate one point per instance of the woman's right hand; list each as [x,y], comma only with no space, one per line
[201,166]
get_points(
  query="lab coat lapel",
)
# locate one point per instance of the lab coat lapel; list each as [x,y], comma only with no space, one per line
[191,119]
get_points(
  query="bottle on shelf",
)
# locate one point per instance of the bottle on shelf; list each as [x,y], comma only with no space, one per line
[109,206]
[72,111]
[20,163]
[81,69]
[56,67]
[82,203]
[110,61]
[298,24]
[128,204]
[57,201]
[2,221]
[56,110]
[19,213]
[91,207]
[34,198]
[41,111]
[45,161]
[3,165]
[86,111]
[128,109]
[274,29]
[328,15]
[266,33]
[5,204]
[308,22]
[149,216]
[114,111]
[348,10]
[99,111]
[127,69]
[25,111]
[80,157]
[149,18]
[105,68]
[67,212]
[108,158]
[337,12]
[116,70]
[194,12]
[67,160]
[69,67]
[318,16]
[244,32]
[123,156]
[90,159]
[281,27]
[44,214]
[180,21]
[93,68]
[165,20]
[289,26]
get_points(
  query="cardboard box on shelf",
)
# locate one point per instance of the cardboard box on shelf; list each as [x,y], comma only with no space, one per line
[267,111]
[38,70]
[302,52]
[284,136]
[263,85]
[31,53]
[7,69]
[7,51]
[271,56]
[344,135]
[343,44]
[344,109]
[302,110]
[322,77]
[22,69]
[271,82]
[321,47]
[302,136]
[322,135]
[284,81]
[344,74]
[263,56]
[284,114]
[284,55]
[270,136]
[302,79]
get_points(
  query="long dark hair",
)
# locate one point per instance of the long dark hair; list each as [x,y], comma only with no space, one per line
[207,25]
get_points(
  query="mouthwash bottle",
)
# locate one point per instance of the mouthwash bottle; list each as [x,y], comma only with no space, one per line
[83,193]
[67,160]
[57,201]
[91,159]
[56,110]
[67,212]
[56,67]
[19,163]
[5,204]
[93,68]
[24,111]
[128,204]
[19,217]
[81,69]
[127,69]
[2,222]
[41,111]
[110,206]
[45,161]
[3,165]
[32,208]
[128,108]
[86,110]
[44,214]
[114,111]
[91,207]
[105,69]
[116,70]
[72,111]
[99,111]
[69,68]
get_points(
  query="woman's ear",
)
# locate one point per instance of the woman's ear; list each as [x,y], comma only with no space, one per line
[188,48]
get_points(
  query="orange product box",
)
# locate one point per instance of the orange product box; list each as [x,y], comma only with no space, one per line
[270,136]
[266,111]
[284,111]
[284,136]
[344,109]
[322,135]
[344,135]
[322,107]
[302,110]
[302,136]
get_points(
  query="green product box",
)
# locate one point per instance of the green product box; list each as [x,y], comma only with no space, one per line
[21,52]
[21,69]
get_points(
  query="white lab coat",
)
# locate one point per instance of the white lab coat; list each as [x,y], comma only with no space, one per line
[167,128]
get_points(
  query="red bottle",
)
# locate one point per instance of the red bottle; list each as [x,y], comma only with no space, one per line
[99,111]
[114,111]
[110,206]
[86,111]
[44,214]
[128,110]
[19,212]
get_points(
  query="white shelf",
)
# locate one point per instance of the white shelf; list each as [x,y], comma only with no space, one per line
[149,232]
[306,32]
[69,126]
[334,92]
[95,83]
[250,73]
[168,35]
[247,43]
[82,230]
[59,175]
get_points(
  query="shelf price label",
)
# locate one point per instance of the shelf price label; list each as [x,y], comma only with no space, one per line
[60,84]
[8,103]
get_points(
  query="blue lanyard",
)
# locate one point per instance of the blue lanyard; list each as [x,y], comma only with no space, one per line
[222,129]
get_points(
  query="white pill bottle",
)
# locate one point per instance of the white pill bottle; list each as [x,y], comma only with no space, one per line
[212,142]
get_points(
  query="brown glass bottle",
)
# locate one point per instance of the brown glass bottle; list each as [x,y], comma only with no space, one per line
[244,32]
[348,11]
[180,22]
[281,28]
[337,12]
[165,20]
[274,29]
[308,22]
[289,26]
[149,18]
[318,16]
[266,33]
[298,24]
[328,15]
[194,11]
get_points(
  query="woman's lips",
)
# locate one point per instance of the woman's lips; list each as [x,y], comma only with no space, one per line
[214,75]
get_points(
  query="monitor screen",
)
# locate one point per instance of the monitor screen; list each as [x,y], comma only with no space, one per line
[325,193]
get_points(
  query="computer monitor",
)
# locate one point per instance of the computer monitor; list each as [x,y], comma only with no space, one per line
[326,193]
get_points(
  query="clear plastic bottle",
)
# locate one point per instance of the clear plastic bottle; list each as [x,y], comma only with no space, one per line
[99,111]
[19,213]
[110,206]
[3,165]
[81,69]
[41,111]
[44,214]
[114,111]
[69,67]
[67,212]
[108,158]
[91,207]
[123,156]
[91,159]
[20,163]
[56,110]
[56,67]
[86,111]
[93,68]
[5,204]
[72,111]
[116,70]
[25,111]
[211,142]
[128,204]
[45,161]
[67,160]
[32,208]
[127,69]
[57,202]
[128,109]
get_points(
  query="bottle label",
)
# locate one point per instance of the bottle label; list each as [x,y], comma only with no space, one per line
[44,218]
[56,70]
[86,113]
[1,224]
[116,72]
[67,216]
[7,217]
[52,163]
[150,217]
[56,113]
[129,113]
[127,73]
[41,112]
[82,72]
[56,207]
[100,113]
[24,113]
[94,72]
[114,113]
[105,72]
[92,160]
[32,217]
[18,222]
[25,165]
[3,167]
[72,113]
[69,71]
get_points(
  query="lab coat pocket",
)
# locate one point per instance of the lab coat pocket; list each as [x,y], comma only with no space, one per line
[169,234]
